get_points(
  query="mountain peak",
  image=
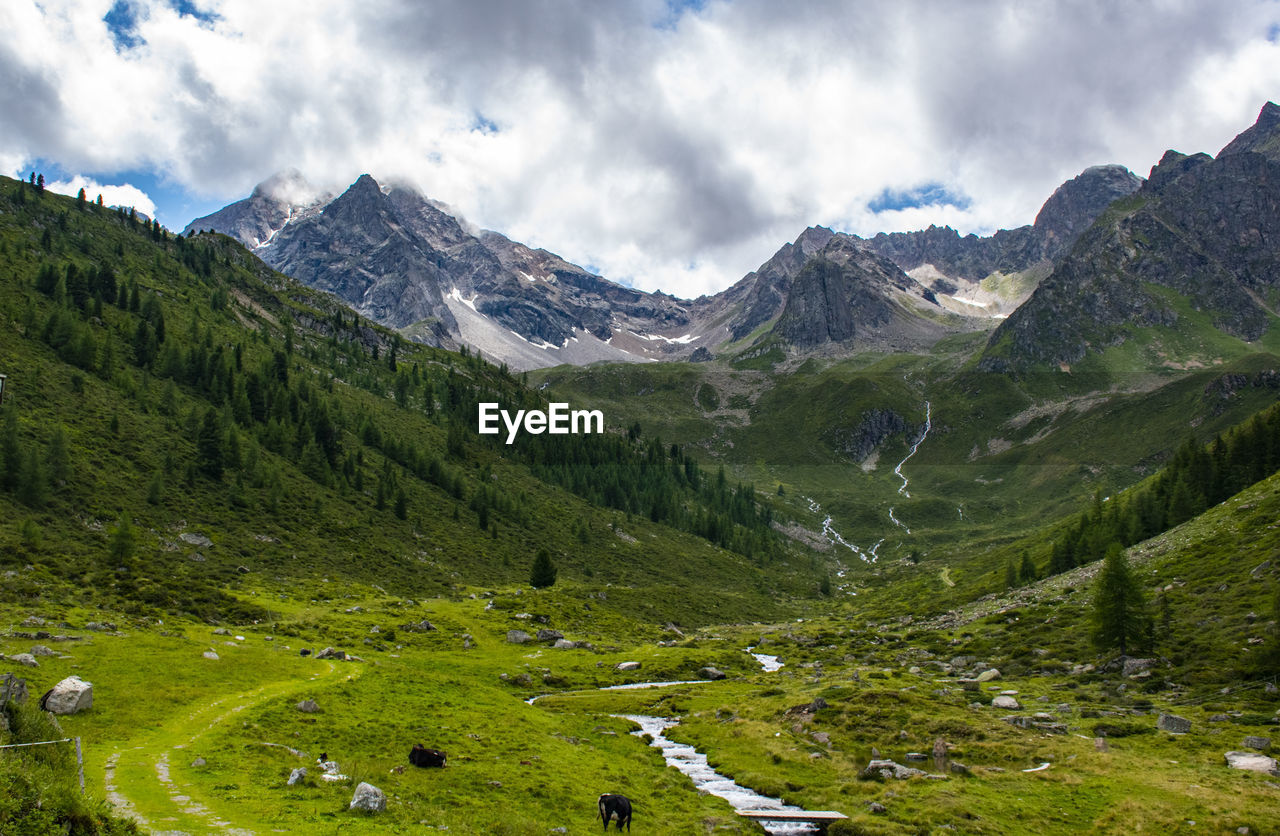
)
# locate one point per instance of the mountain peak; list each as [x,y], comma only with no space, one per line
[1262,138]
[365,182]
[1076,203]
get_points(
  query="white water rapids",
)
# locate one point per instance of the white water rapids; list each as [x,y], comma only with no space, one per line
[693,764]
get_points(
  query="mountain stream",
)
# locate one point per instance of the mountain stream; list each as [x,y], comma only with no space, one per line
[694,764]
[869,555]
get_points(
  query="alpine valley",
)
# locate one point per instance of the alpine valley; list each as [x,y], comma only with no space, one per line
[1005,509]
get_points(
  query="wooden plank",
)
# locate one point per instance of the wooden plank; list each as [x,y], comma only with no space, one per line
[811,816]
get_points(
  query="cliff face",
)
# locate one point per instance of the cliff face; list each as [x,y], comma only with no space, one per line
[1203,234]
[847,293]
[1064,216]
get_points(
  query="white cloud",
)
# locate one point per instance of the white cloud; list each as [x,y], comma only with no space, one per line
[674,154]
[124,194]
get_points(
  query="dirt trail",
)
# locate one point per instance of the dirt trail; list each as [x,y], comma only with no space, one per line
[138,780]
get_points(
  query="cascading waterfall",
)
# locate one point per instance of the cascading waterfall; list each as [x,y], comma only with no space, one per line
[869,555]
[833,536]
[928,425]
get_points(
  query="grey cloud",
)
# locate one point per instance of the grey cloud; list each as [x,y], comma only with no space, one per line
[994,99]
[1045,91]
[34,119]
[468,47]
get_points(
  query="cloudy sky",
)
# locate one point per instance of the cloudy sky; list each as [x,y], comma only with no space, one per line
[668,145]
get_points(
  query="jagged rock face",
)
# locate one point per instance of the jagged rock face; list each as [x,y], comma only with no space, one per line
[1206,229]
[544,297]
[1077,203]
[406,262]
[873,428]
[763,292]
[846,293]
[1062,219]
[367,248]
[395,256]
[970,258]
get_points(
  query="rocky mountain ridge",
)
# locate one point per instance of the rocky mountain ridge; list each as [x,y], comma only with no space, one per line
[407,262]
[1196,248]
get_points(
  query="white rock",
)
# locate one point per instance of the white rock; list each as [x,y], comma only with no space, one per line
[1005,701]
[1252,762]
[368,797]
[69,696]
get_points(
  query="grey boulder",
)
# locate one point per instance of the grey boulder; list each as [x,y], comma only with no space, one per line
[70,696]
[368,798]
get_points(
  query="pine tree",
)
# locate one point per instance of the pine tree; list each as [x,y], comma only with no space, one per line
[544,571]
[1119,606]
[210,445]
[58,458]
[123,541]
[1027,569]
[33,486]
[1010,574]
[155,489]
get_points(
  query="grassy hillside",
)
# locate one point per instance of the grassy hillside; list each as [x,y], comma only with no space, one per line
[178,388]
[1003,455]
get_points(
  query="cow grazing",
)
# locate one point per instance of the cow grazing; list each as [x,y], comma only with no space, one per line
[615,805]
[420,755]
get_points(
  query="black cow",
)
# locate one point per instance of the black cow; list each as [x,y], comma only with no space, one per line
[420,755]
[615,805]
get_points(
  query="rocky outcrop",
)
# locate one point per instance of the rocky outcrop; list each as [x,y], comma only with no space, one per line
[881,769]
[762,294]
[1173,724]
[1196,247]
[874,426]
[847,294]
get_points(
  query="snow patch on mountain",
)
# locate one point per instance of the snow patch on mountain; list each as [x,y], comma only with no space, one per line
[496,341]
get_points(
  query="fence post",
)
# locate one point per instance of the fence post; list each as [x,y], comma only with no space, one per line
[80,765]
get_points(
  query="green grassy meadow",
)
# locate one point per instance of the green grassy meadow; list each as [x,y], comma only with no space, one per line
[351,502]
